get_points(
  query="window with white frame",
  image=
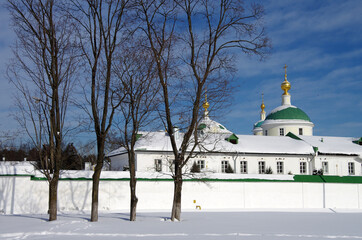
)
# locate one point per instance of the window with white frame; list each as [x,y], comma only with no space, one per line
[280,167]
[303,167]
[281,131]
[351,168]
[300,131]
[325,167]
[243,167]
[201,164]
[261,167]
[224,166]
[158,165]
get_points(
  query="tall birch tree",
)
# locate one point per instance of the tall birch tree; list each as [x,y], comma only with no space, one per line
[101,28]
[43,71]
[202,38]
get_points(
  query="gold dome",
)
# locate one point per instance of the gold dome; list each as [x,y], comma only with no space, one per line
[285,85]
[206,105]
[262,106]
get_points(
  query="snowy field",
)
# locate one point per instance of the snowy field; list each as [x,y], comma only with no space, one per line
[246,224]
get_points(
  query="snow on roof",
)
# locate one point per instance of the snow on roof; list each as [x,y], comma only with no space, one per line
[116,152]
[149,141]
[156,141]
[160,141]
[282,107]
[334,145]
[208,125]
[272,144]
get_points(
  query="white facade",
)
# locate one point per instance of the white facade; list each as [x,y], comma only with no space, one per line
[283,127]
[339,165]
[252,155]
[249,164]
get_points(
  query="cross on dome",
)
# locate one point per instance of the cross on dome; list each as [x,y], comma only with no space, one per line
[285,69]
[262,106]
[206,105]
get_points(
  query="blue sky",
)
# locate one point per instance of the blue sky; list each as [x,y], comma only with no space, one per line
[320,41]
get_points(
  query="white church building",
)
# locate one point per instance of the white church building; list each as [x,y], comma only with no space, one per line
[283,143]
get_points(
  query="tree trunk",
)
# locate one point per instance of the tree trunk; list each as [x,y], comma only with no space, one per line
[53,192]
[132,184]
[176,207]
[95,192]
[134,199]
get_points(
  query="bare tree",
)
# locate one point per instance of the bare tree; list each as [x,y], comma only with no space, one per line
[139,88]
[208,34]
[42,71]
[100,34]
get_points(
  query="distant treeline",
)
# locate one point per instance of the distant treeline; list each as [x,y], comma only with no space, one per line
[71,159]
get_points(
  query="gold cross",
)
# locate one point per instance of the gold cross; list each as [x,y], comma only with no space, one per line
[285,68]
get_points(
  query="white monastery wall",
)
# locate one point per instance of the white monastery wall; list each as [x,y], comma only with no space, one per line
[20,194]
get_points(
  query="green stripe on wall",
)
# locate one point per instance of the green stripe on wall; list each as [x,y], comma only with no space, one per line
[297,178]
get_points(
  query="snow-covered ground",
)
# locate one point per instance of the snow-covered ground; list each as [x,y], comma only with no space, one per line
[250,224]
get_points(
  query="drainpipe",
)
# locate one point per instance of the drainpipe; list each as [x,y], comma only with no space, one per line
[309,161]
[324,191]
[315,155]
[235,161]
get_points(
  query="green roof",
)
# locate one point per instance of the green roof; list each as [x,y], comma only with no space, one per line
[359,141]
[289,134]
[201,126]
[233,139]
[258,124]
[288,113]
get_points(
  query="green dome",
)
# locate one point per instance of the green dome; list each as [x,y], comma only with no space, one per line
[288,113]
[258,124]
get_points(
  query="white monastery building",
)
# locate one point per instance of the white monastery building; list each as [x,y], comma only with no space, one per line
[283,143]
